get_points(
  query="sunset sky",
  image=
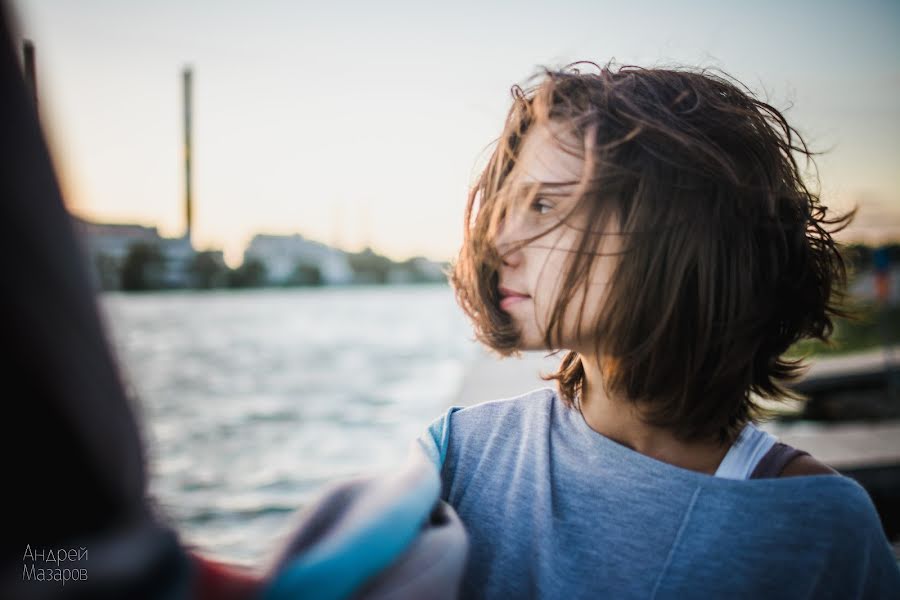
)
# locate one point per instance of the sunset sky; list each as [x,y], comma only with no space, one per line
[363,123]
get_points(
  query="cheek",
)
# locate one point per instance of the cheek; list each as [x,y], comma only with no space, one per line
[594,294]
[545,304]
[548,290]
[586,302]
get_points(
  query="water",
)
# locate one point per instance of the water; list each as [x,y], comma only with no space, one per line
[252,401]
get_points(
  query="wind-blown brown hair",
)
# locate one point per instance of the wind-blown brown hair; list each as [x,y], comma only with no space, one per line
[726,255]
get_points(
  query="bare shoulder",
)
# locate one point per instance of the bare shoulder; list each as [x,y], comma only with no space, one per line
[806,465]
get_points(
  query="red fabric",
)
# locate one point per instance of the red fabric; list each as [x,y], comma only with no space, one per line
[219,581]
[881,286]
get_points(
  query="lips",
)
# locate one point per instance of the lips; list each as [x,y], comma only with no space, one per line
[509,297]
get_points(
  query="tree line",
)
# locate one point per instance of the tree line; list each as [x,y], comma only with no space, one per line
[146,267]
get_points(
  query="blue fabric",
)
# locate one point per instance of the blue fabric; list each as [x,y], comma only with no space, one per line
[554,509]
[382,523]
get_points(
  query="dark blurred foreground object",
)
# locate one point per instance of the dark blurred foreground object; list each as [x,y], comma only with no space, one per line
[78,523]
[72,446]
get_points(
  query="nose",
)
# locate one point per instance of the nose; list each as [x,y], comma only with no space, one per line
[506,242]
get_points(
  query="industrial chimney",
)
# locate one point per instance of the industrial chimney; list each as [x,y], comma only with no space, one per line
[187,76]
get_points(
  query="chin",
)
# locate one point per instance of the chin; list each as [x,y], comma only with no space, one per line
[529,339]
[531,345]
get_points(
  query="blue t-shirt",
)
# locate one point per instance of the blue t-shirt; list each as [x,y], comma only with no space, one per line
[554,509]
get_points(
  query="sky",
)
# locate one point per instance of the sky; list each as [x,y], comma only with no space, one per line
[365,123]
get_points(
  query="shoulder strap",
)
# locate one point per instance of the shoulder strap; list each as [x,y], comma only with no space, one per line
[745,453]
[774,461]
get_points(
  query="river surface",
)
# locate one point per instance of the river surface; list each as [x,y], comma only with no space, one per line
[252,401]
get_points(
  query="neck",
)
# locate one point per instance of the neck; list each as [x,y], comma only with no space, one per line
[620,421]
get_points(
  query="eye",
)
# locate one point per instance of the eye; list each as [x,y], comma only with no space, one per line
[541,206]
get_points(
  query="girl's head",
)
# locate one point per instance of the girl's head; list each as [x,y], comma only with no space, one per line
[656,222]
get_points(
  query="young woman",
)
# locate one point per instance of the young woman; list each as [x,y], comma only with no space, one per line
[656,225]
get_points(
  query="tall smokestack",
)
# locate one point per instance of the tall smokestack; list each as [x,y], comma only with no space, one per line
[187,76]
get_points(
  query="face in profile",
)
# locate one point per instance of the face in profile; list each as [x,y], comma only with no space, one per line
[543,189]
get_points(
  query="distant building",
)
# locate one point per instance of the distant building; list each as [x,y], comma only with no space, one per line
[286,255]
[178,253]
[107,245]
[416,270]
[430,270]
[112,239]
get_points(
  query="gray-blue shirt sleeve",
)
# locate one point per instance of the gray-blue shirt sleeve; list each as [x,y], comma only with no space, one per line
[436,439]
